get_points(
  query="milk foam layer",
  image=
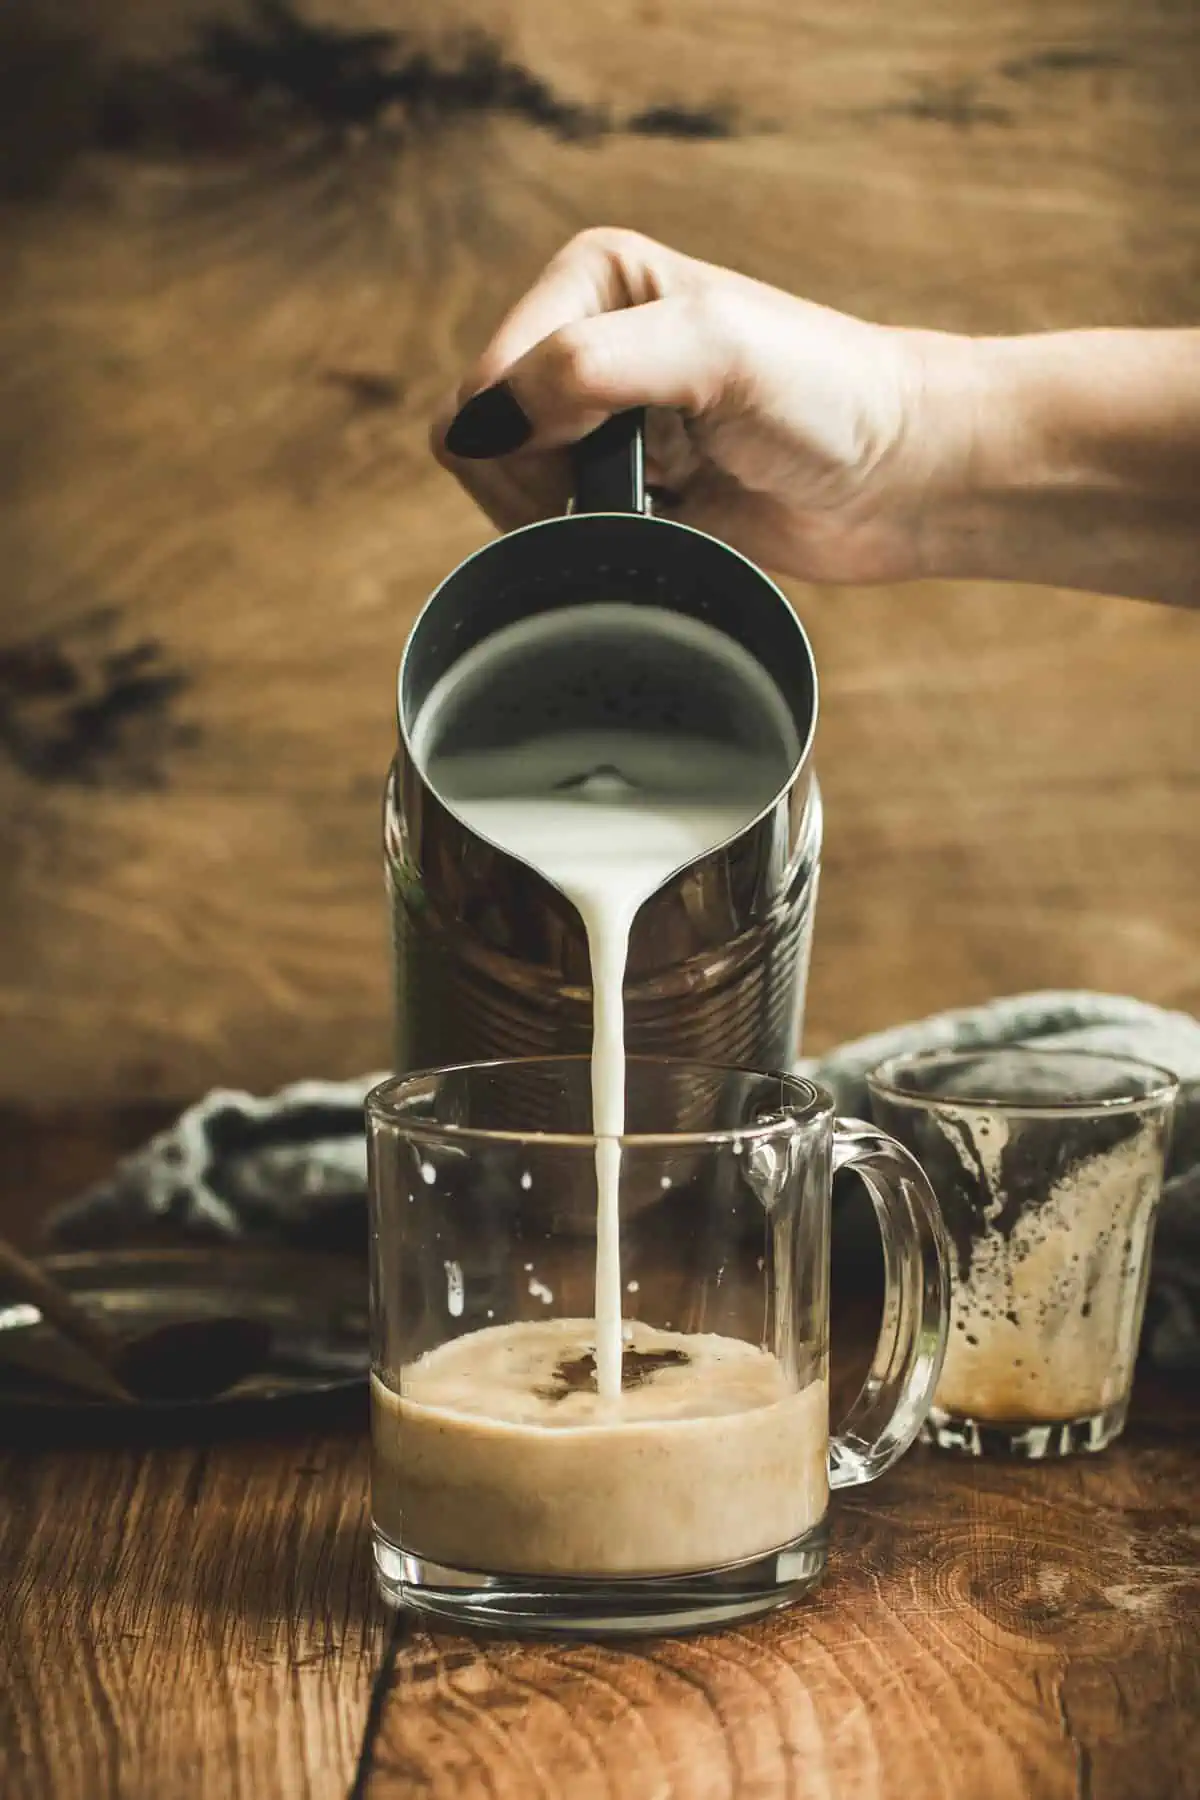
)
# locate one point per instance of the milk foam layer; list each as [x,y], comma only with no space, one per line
[490,1459]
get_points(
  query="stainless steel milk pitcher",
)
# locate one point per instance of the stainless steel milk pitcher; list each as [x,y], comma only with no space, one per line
[490,959]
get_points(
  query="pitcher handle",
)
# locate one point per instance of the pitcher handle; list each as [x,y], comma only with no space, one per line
[899,1387]
[610,466]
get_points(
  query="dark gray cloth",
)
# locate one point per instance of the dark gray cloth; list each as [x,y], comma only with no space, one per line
[292,1166]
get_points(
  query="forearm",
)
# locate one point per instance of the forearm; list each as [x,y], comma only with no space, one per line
[1078,457]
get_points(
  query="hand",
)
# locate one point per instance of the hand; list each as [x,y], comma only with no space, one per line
[815,443]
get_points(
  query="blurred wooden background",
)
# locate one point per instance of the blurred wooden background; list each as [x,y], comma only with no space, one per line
[242,249]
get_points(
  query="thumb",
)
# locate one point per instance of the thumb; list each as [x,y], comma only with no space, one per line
[666,353]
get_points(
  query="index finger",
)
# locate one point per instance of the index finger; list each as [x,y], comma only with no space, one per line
[603,270]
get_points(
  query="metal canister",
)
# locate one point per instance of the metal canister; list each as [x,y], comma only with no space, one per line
[490,959]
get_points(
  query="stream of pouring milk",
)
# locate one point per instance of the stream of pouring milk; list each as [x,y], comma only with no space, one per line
[607,815]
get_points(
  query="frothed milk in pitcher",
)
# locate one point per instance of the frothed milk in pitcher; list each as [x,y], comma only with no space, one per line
[607,814]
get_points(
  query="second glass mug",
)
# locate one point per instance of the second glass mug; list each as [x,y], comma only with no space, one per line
[506,1490]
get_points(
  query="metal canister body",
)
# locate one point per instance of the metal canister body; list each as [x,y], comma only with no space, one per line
[491,960]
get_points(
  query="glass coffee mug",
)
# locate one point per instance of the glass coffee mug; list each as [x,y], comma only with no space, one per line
[1049,1167]
[514,1483]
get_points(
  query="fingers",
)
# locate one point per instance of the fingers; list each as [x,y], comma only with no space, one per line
[599,271]
[615,320]
[669,353]
[511,490]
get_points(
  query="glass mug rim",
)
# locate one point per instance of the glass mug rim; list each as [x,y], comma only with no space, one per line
[806,1102]
[885,1081]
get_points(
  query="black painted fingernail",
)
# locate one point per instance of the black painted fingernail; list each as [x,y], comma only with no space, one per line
[490,424]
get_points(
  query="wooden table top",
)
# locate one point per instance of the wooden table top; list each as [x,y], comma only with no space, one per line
[198,1618]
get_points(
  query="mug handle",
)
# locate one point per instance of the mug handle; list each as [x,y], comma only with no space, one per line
[610,466]
[898,1390]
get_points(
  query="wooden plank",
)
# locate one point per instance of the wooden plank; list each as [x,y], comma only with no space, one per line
[186,1610]
[1003,1633]
[243,252]
[194,1616]
[195,1620]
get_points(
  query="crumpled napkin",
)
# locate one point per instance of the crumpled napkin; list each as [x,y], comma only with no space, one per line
[293,1167]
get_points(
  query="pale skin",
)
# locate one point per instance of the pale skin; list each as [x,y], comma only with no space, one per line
[836,450]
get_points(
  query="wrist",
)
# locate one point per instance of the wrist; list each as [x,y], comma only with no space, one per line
[976,456]
[1070,458]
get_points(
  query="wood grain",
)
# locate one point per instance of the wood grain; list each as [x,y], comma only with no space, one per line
[196,1620]
[195,1617]
[1004,1634]
[187,1610]
[243,248]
